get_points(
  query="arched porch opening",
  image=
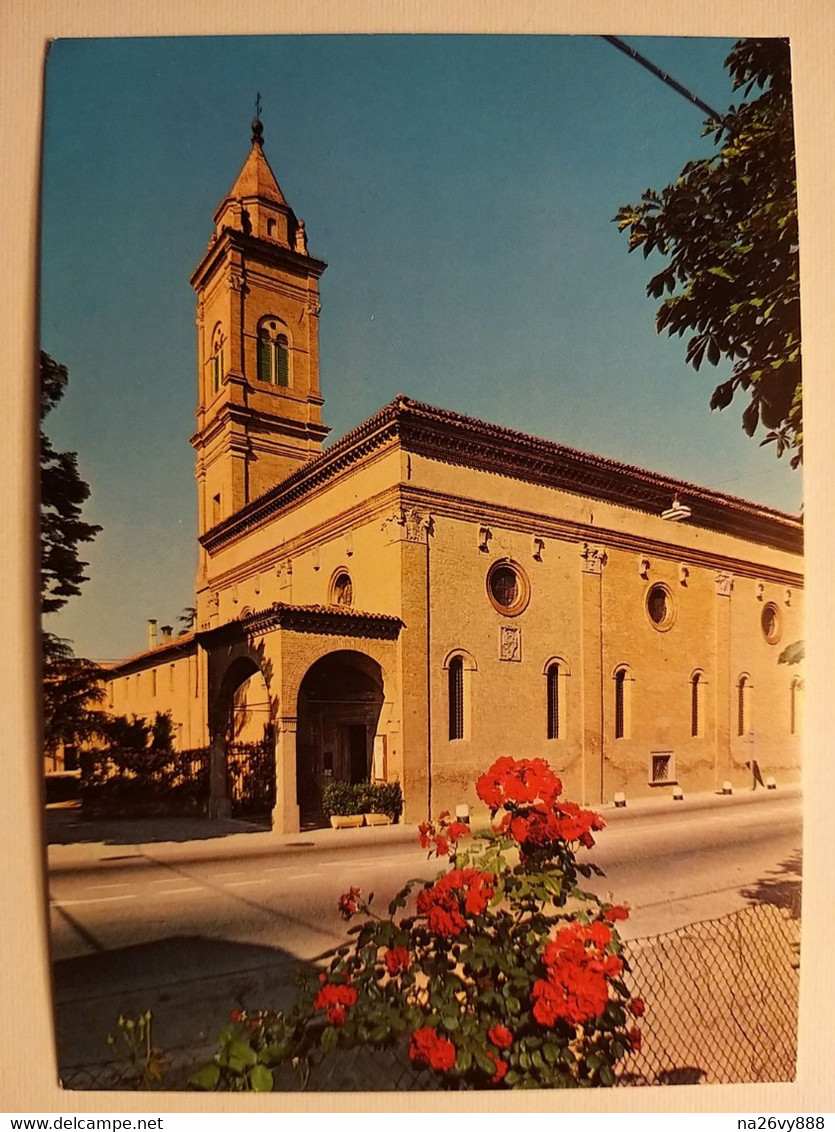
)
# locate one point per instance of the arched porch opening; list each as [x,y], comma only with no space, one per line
[339,705]
[242,758]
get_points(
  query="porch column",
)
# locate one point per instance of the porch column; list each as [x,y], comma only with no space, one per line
[286,811]
[220,804]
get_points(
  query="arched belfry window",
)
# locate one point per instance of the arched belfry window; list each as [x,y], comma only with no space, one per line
[460,666]
[217,360]
[623,702]
[273,353]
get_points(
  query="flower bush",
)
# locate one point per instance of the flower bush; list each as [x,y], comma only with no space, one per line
[500,973]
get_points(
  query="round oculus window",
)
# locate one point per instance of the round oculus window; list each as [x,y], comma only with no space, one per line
[660,606]
[507,587]
[770,622]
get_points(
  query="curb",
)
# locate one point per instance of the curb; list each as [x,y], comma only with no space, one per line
[221,840]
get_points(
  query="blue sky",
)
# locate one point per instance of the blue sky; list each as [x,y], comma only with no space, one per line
[461,189]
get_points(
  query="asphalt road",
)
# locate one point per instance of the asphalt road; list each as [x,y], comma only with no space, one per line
[193,935]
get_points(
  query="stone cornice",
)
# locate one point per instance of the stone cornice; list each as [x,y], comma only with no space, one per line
[323,619]
[452,438]
[444,505]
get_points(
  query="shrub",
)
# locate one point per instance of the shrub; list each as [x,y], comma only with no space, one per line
[363,798]
[500,973]
[381,798]
[341,798]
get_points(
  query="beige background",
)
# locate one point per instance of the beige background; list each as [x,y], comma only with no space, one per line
[27,1069]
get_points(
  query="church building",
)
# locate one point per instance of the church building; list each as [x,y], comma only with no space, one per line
[432,591]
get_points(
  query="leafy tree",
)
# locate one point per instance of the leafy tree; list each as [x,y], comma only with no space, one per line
[129,733]
[188,618]
[728,226]
[63,493]
[72,685]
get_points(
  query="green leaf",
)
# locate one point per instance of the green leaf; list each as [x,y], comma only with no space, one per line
[329,1039]
[241,1052]
[261,1079]
[606,1075]
[206,1078]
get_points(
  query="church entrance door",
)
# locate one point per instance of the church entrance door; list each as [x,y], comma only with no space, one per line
[338,711]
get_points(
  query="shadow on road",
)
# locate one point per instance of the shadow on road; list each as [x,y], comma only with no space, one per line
[189,983]
[780,886]
[68,827]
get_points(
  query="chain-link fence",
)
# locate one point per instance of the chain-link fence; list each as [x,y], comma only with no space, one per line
[721,1002]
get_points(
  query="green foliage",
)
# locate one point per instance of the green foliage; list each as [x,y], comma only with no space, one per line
[63,492]
[148,1064]
[363,798]
[125,779]
[341,798]
[72,686]
[501,973]
[728,225]
[162,732]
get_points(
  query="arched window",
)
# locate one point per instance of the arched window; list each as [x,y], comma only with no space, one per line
[459,666]
[218,340]
[743,705]
[273,353]
[623,712]
[342,589]
[456,697]
[697,685]
[556,671]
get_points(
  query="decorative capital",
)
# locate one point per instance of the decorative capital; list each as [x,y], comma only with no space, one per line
[484,536]
[538,547]
[236,281]
[408,524]
[683,573]
[724,583]
[594,557]
[643,567]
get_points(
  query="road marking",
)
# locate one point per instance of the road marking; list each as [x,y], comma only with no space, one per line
[94,900]
[239,883]
[237,873]
[110,884]
[176,891]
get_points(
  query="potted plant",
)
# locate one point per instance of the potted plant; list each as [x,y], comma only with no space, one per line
[382,802]
[342,803]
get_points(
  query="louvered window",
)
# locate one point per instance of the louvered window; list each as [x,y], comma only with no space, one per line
[265,365]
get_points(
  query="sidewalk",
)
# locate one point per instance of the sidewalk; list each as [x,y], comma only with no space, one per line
[74,843]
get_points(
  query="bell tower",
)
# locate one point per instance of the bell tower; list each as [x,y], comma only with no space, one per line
[259,412]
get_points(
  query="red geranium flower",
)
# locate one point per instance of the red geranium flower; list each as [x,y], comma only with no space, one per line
[616,912]
[442,902]
[518,782]
[635,1038]
[428,1047]
[636,1007]
[348,903]
[333,998]
[397,959]
[501,1067]
[500,1036]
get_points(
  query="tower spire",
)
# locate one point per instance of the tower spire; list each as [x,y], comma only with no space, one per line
[257,124]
